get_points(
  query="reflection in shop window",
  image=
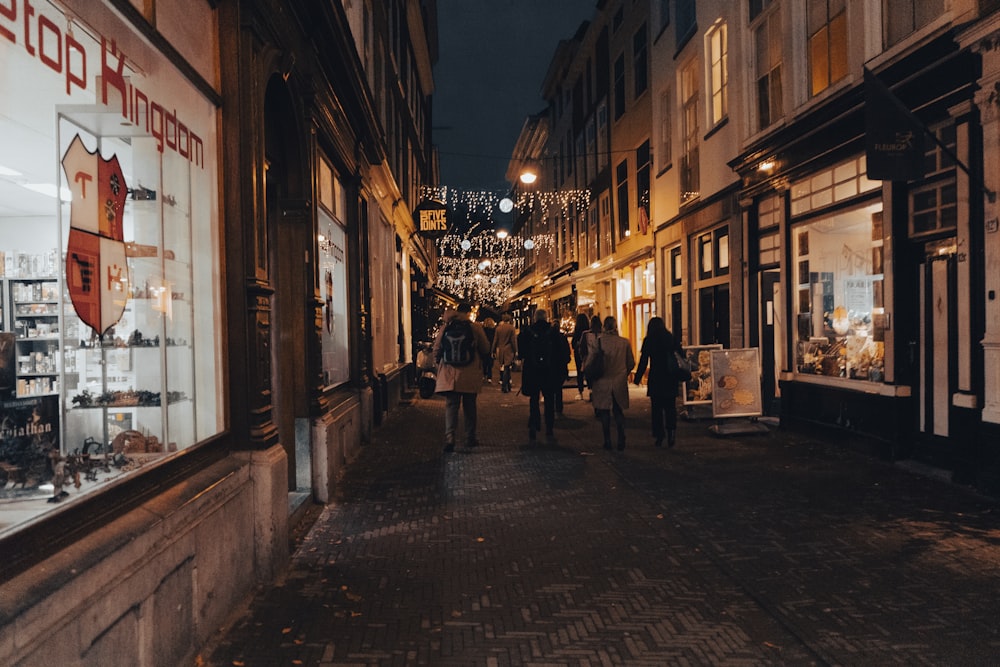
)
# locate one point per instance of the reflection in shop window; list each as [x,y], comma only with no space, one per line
[839,310]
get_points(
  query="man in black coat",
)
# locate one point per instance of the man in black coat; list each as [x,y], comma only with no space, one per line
[545,355]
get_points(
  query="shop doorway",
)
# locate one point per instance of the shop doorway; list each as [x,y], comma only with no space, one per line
[713,315]
[770,340]
[637,315]
[937,345]
[289,236]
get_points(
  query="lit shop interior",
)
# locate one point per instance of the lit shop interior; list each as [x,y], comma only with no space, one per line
[838,301]
[109,255]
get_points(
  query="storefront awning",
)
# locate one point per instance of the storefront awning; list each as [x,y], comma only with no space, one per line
[563,270]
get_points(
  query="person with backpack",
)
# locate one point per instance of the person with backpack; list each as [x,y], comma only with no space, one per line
[459,348]
[545,354]
[658,350]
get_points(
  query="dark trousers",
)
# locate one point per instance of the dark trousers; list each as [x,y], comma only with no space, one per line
[546,394]
[452,401]
[605,417]
[557,397]
[505,377]
[664,413]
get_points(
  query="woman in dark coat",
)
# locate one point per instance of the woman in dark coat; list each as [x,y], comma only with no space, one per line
[657,351]
[580,350]
[545,353]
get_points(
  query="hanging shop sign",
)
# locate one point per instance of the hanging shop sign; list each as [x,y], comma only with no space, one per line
[894,137]
[96,269]
[432,218]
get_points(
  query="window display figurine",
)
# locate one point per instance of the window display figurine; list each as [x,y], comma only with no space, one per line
[58,476]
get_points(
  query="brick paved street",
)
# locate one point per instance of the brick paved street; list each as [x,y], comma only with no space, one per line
[748,550]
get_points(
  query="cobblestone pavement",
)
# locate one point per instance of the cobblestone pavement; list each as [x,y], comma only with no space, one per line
[739,550]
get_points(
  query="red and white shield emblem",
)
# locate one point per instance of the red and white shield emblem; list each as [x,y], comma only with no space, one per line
[96,269]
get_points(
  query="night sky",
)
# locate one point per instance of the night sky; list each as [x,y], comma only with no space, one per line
[493,57]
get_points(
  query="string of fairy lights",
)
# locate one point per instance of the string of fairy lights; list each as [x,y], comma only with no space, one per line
[478,259]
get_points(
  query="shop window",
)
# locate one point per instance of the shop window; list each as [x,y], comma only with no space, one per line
[827,30]
[770,249]
[934,208]
[832,186]
[769,212]
[937,159]
[332,245]
[713,254]
[839,312]
[110,287]
[676,266]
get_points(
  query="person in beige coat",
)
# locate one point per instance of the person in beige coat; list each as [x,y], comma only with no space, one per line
[505,349]
[460,384]
[609,393]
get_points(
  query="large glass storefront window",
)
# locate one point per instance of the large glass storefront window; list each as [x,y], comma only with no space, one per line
[333,276]
[110,308]
[839,312]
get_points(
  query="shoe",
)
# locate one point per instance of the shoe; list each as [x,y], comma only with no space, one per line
[449,447]
[621,445]
[671,438]
[550,437]
[607,444]
[472,443]
[658,442]
[532,435]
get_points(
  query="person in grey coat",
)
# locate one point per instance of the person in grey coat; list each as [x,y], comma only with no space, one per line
[505,349]
[460,384]
[609,393]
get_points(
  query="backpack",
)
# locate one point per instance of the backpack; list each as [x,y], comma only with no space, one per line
[458,344]
[541,349]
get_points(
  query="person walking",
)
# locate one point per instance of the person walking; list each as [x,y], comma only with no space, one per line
[579,346]
[489,328]
[589,342]
[609,392]
[546,354]
[505,349]
[658,348]
[459,348]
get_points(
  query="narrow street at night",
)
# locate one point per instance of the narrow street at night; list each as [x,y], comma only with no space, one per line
[771,548]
